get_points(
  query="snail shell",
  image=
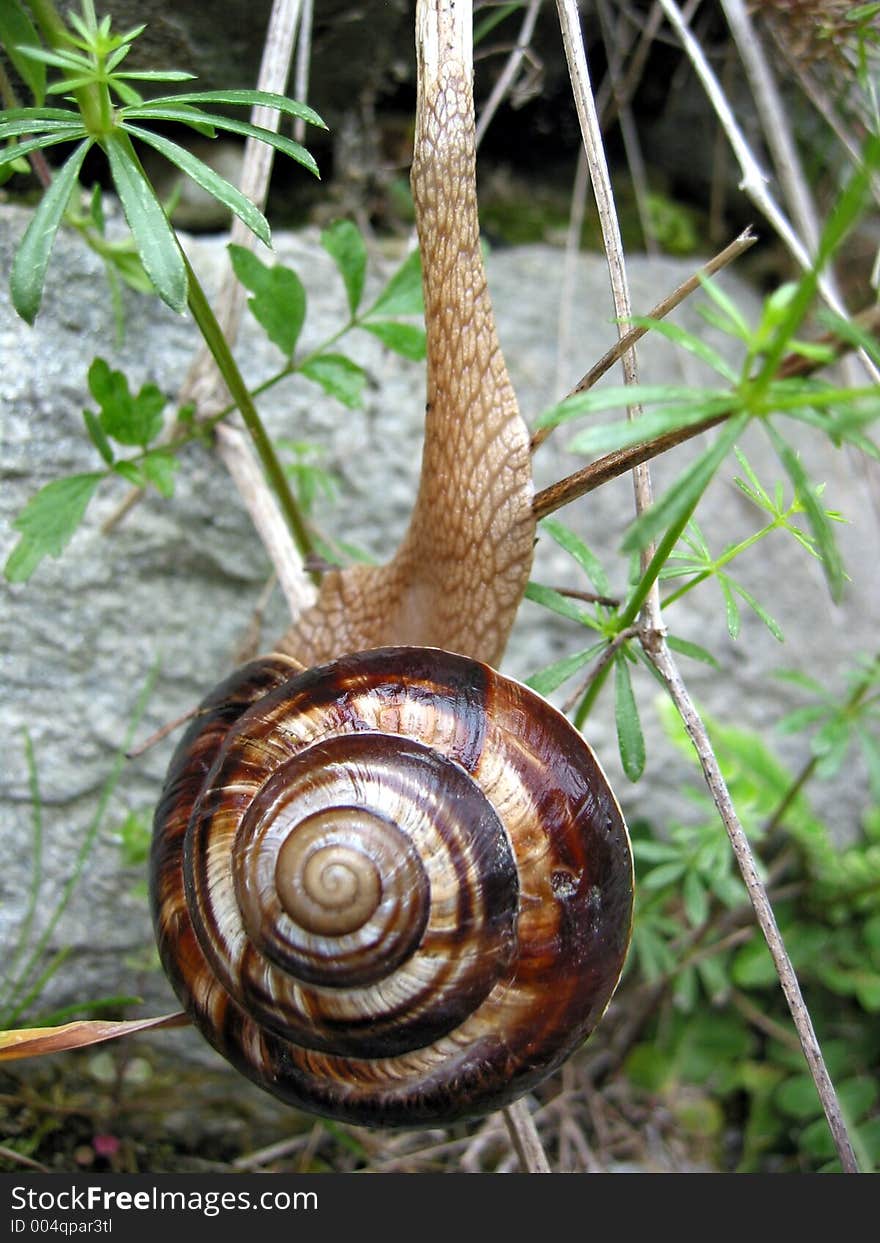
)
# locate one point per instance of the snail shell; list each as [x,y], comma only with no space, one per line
[393,889]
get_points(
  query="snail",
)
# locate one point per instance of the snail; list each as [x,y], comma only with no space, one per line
[389,884]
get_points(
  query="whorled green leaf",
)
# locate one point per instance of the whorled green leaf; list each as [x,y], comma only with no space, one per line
[408,340]
[843,216]
[609,437]
[17,31]
[557,603]
[630,739]
[245,98]
[584,556]
[685,647]
[688,341]
[681,498]
[338,376]
[32,257]
[279,298]
[184,113]
[346,247]
[619,396]
[826,544]
[48,522]
[11,127]
[155,239]
[548,679]
[218,187]
[66,133]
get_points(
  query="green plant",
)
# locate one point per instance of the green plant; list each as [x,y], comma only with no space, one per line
[151,441]
[32,961]
[691,941]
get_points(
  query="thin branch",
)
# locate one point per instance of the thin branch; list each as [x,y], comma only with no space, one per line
[737,247]
[510,70]
[774,122]
[662,661]
[525,1138]
[631,144]
[611,466]
[753,180]
[577,212]
[602,664]
[303,64]
[652,631]
[579,75]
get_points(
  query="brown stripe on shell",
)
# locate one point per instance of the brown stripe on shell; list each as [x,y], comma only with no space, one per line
[572,916]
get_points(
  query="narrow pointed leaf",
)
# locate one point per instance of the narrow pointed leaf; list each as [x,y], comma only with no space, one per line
[32,256]
[731,608]
[771,624]
[548,679]
[221,189]
[17,32]
[153,235]
[40,1041]
[823,534]
[687,489]
[584,556]
[685,648]
[157,75]
[688,341]
[619,396]
[734,322]
[630,739]
[557,603]
[36,125]
[608,437]
[68,134]
[287,146]
[246,98]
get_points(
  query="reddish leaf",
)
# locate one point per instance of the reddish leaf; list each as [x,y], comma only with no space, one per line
[38,1041]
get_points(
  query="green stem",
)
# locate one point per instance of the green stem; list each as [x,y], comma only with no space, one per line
[722,561]
[222,355]
[54,31]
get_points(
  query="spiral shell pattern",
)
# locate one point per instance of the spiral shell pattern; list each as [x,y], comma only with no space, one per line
[393,889]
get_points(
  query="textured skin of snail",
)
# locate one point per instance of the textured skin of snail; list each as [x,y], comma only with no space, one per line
[395,889]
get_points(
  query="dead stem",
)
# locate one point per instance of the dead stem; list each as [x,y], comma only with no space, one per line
[525,1139]
[652,630]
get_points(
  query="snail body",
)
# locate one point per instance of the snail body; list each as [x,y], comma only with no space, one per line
[389,884]
[393,889]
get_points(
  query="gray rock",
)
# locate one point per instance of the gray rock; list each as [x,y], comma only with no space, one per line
[173,589]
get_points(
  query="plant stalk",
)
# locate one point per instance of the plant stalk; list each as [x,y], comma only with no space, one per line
[238,390]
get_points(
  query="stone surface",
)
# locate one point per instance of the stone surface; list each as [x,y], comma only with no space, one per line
[174,587]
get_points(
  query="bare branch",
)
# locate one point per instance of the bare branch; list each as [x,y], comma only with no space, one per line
[753,180]
[510,70]
[737,247]
[525,1139]
[572,39]
[774,122]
